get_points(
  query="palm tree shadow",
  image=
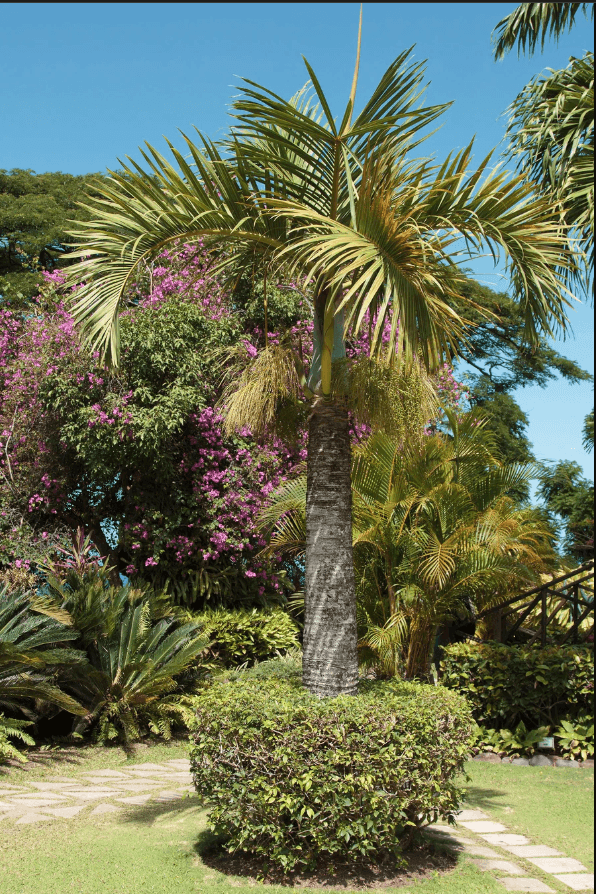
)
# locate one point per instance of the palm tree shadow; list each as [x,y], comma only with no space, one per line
[157,811]
[486,798]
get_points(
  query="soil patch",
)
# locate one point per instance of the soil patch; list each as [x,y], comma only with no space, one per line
[424,861]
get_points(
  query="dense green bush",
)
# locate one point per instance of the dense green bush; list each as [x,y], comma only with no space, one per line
[238,636]
[506,685]
[292,778]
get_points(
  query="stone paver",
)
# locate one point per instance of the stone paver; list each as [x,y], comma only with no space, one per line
[26,802]
[483,827]
[476,850]
[526,884]
[104,808]
[55,786]
[557,864]
[136,799]
[467,815]
[109,774]
[33,818]
[506,838]
[169,796]
[532,850]
[90,795]
[498,866]
[65,812]
[584,882]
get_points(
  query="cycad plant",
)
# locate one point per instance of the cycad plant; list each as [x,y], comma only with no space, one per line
[136,649]
[35,646]
[343,202]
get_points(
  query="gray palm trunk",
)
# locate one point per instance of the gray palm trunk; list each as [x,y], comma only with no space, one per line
[330,662]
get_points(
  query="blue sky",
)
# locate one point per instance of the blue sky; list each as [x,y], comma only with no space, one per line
[87,83]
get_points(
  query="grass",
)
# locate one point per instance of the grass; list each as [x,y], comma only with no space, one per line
[156,848]
[549,805]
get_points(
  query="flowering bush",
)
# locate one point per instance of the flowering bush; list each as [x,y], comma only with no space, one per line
[137,456]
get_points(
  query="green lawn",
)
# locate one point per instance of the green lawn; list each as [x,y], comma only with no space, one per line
[155,849]
[549,805]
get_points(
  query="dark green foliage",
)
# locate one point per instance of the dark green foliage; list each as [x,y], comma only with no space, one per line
[588,431]
[136,650]
[34,214]
[240,636]
[508,684]
[35,645]
[569,497]
[293,779]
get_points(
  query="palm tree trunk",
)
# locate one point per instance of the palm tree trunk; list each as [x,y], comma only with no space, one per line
[422,636]
[330,663]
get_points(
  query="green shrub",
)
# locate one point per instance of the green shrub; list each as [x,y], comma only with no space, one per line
[506,685]
[292,778]
[240,636]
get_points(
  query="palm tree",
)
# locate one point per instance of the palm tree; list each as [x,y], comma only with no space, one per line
[551,125]
[377,231]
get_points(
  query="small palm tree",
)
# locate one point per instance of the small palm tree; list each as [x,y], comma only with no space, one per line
[434,534]
[342,202]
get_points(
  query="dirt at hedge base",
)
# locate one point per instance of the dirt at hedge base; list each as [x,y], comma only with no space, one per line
[423,862]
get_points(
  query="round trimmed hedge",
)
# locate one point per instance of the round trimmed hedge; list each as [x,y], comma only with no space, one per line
[293,778]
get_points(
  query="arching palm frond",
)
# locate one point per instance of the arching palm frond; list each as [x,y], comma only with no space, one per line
[533,22]
[551,131]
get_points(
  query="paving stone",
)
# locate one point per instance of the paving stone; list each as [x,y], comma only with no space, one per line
[509,838]
[104,808]
[467,815]
[179,762]
[9,789]
[132,785]
[526,884]
[484,826]
[90,795]
[476,850]
[570,765]
[584,882]
[55,786]
[145,767]
[540,760]
[498,866]
[26,803]
[66,812]
[488,757]
[33,818]
[136,799]
[169,796]
[109,774]
[558,864]
[532,850]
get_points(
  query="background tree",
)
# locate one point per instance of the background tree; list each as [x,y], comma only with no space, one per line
[34,210]
[569,498]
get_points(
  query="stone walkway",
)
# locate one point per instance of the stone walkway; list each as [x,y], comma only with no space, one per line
[489,845]
[95,792]
[517,874]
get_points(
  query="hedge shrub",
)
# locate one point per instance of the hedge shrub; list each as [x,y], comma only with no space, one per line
[242,635]
[292,778]
[506,685]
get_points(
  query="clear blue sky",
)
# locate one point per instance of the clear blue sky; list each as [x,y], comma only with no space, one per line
[84,84]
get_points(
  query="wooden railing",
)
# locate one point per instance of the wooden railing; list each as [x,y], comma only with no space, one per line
[542,605]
